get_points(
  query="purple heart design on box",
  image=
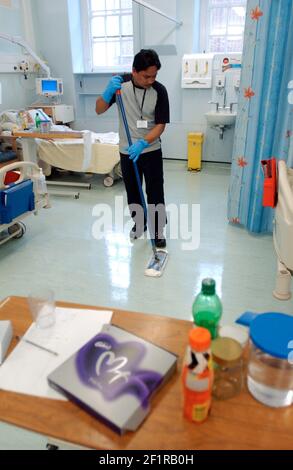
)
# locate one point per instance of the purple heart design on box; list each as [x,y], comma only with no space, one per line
[113,368]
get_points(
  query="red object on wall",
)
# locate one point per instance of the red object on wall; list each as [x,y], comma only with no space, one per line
[270,191]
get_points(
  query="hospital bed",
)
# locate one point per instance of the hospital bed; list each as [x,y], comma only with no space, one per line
[21,194]
[283,232]
[81,155]
[92,153]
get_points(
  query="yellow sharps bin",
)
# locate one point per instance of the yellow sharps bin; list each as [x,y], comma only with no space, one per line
[195,141]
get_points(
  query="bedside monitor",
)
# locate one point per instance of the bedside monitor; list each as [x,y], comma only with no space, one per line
[49,86]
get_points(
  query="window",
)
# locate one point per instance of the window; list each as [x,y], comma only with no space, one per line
[110,34]
[223,25]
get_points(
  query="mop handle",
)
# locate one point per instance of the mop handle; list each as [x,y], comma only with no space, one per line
[124,118]
[122,109]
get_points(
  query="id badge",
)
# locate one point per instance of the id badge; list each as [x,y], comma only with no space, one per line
[142,124]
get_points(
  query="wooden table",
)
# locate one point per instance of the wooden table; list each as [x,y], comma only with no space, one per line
[30,154]
[38,135]
[49,135]
[238,423]
[29,145]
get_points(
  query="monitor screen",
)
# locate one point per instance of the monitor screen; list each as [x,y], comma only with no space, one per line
[49,86]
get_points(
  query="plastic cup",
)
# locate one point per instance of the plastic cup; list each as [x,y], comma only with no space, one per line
[42,307]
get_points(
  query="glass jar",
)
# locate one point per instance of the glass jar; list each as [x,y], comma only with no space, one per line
[239,333]
[270,379]
[227,357]
[270,368]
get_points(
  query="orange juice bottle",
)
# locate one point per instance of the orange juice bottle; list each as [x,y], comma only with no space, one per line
[197,376]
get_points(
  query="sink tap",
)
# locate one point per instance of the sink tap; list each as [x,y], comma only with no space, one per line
[216,103]
[231,106]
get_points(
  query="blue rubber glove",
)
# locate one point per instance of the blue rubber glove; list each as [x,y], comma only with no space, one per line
[113,85]
[135,149]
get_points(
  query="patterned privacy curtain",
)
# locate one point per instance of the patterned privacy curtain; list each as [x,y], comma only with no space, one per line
[264,126]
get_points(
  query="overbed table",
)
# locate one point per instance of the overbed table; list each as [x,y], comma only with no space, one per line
[238,423]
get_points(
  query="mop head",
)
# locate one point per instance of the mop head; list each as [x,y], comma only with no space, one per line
[156,265]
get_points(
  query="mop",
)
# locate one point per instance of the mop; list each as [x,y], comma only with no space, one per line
[158,261]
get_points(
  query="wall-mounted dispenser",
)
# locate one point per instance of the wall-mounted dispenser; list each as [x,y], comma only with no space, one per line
[236,82]
[220,81]
[197,70]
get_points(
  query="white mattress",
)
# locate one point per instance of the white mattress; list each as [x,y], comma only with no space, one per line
[70,155]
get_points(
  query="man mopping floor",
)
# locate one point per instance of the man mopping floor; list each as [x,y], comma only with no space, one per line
[146,105]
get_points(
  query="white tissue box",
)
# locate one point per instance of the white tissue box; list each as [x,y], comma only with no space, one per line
[6,333]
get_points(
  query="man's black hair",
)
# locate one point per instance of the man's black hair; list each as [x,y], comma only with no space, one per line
[146,58]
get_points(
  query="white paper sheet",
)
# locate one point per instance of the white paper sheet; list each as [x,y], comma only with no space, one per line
[26,369]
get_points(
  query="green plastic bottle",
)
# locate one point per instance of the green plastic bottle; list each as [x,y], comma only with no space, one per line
[38,121]
[207,307]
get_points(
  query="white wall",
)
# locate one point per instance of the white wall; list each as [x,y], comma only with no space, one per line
[16,91]
[52,35]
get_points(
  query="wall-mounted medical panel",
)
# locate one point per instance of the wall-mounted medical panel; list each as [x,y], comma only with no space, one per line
[197,70]
[16,63]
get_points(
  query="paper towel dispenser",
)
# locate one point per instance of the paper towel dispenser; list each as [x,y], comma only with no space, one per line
[197,70]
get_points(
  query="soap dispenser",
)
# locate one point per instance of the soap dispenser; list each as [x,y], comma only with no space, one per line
[236,82]
[220,82]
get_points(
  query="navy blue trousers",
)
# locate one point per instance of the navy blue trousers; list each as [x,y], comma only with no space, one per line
[150,169]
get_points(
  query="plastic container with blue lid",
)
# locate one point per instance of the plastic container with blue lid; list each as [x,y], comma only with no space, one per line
[270,369]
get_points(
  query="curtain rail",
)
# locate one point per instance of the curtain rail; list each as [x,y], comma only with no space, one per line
[156,10]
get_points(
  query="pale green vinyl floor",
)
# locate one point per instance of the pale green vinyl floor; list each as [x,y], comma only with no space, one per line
[59,251]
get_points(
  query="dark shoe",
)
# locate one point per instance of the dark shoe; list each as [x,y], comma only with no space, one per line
[160,241]
[136,232]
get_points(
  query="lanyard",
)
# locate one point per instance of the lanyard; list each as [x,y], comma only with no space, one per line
[142,103]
